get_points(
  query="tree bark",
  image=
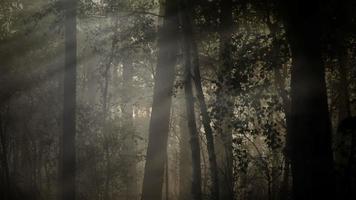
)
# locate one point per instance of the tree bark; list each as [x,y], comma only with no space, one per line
[311,154]
[351,169]
[167,178]
[344,98]
[5,183]
[69,106]
[206,123]
[162,99]
[185,160]
[344,141]
[189,40]
[189,99]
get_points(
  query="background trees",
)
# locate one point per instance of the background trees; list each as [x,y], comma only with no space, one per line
[271,94]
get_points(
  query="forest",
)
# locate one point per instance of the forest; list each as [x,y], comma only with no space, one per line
[177,99]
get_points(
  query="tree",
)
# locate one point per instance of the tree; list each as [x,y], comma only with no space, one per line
[162,99]
[4,166]
[342,140]
[185,161]
[195,70]
[206,123]
[189,103]
[69,103]
[311,155]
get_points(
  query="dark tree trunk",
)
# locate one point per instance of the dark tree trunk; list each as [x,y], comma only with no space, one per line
[167,178]
[189,40]
[311,154]
[189,102]
[342,144]
[5,185]
[343,140]
[346,159]
[351,169]
[206,123]
[224,103]
[69,106]
[162,99]
[344,97]
[341,29]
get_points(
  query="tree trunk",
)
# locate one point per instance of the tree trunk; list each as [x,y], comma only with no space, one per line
[206,123]
[162,99]
[189,38]
[167,178]
[185,160]
[189,102]
[69,106]
[346,160]
[5,184]
[225,103]
[343,140]
[284,189]
[351,169]
[311,154]
[343,21]
[344,98]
